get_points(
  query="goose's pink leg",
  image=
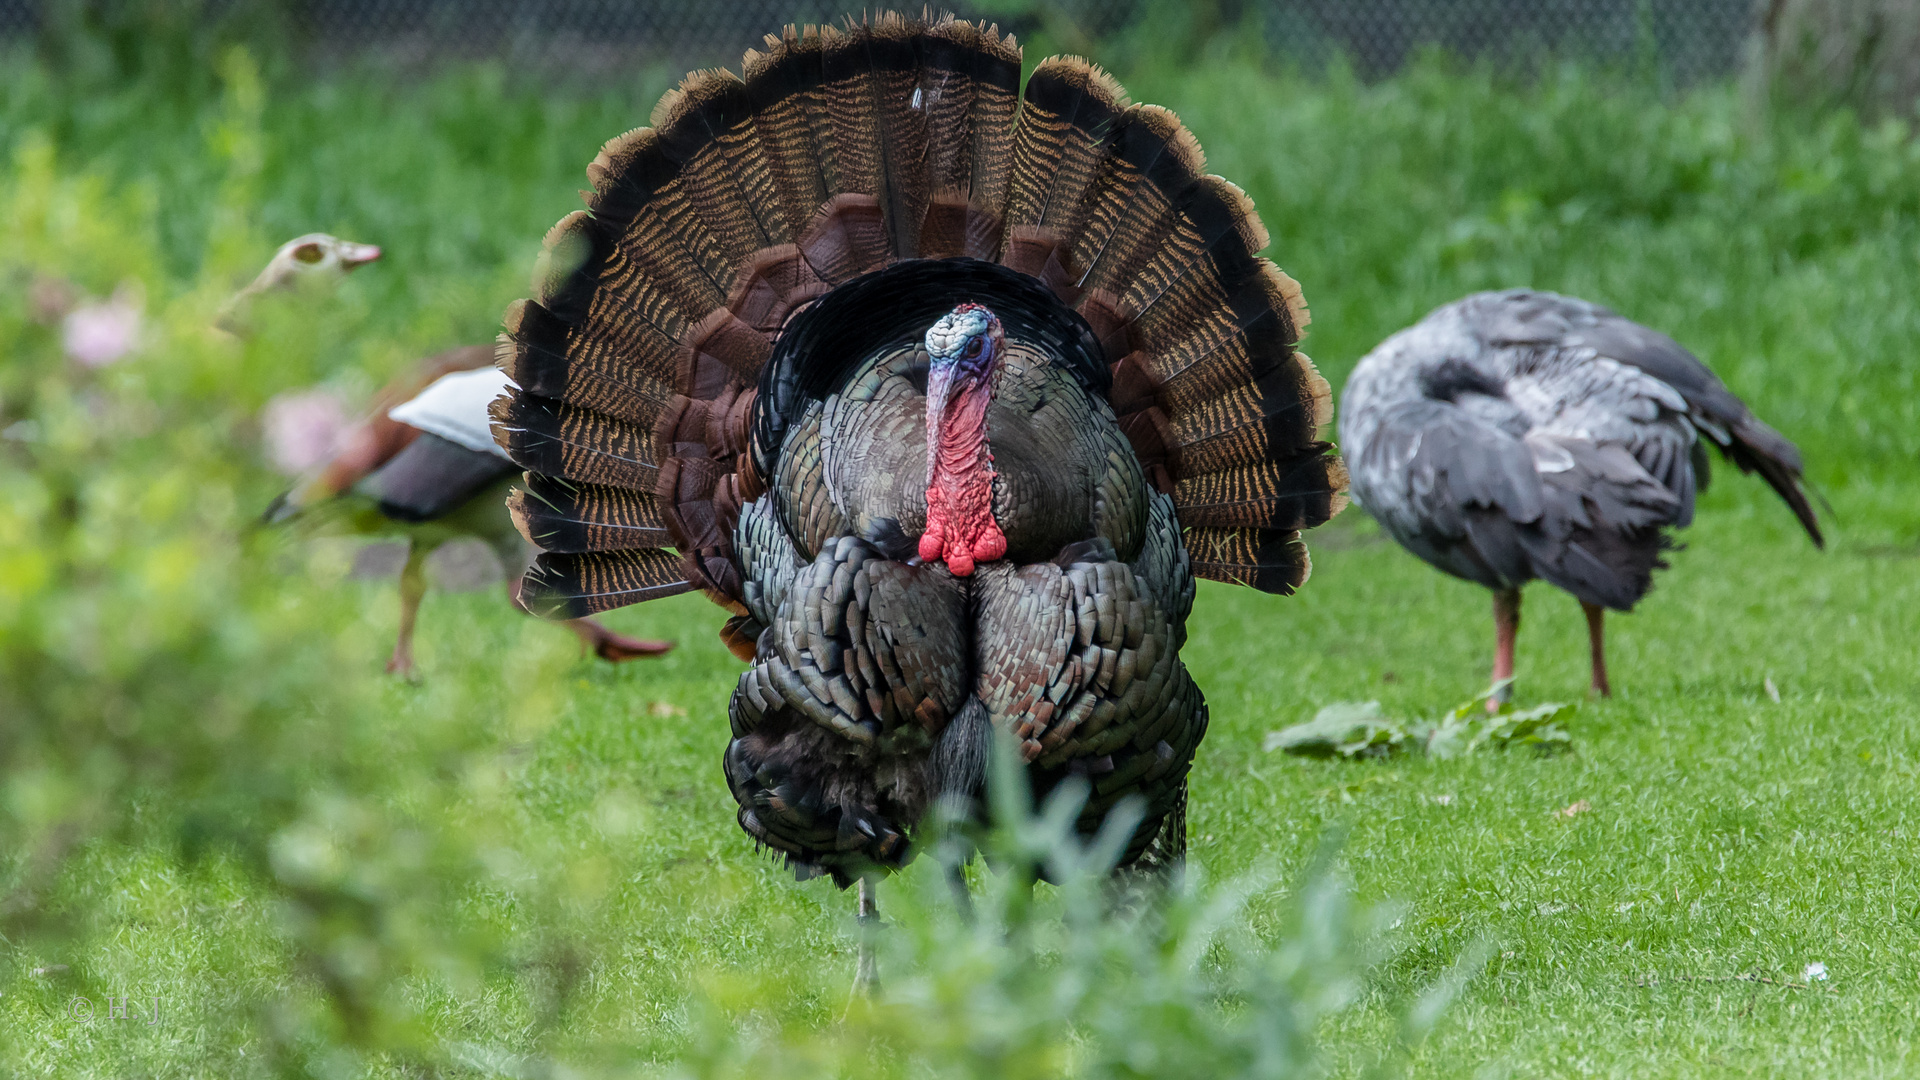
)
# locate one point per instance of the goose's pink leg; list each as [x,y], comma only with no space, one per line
[1596,615]
[613,647]
[1506,628]
[599,640]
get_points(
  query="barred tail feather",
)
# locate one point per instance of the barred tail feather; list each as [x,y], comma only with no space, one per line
[1298,494]
[892,60]
[783,85]
[1135,202]
[1069,112]
[567,518]
[576,586]
[705,128]
[550,437]
[1271,560]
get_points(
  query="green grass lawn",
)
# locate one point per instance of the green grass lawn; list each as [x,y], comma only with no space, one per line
[214,799]
[1727,835]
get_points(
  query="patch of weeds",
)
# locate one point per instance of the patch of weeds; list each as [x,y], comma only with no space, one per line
[1359,729]
[1089,977]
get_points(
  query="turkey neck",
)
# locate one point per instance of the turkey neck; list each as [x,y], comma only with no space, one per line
[960,472]
[959,461]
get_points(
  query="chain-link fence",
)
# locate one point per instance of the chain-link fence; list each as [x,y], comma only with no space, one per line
[1683,40]
[563,35]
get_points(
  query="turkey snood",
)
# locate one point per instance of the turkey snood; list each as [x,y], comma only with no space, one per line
[964,348]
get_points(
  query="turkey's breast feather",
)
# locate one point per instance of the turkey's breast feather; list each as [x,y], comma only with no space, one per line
[878,679]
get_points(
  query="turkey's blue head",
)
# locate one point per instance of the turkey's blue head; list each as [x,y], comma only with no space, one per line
[965,344]
[964,350]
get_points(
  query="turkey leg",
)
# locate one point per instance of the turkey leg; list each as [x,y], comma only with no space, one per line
[1506,627]
[1596,616]
[413,586]
[866,971]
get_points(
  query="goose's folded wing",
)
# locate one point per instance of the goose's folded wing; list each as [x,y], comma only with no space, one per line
[1453,487]
[1545,319]
[1572,393]
[432,477]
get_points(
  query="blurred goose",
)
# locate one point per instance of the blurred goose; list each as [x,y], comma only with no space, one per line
[425,464]
[313,260]
[1519,435]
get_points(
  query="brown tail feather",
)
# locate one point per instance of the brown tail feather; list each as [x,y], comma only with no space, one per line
[783,85]
[1271,560]
[1133,204]
[946,95]
[555,439]
[1068,113]
[566,518]
[592,379]
[1206,259]
[996,101]
[575,586]
[642,208]
[875,99]
[705,126]
[893,61]
[1298,494]
[595,310]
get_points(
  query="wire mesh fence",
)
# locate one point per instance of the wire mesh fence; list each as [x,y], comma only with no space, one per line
[560,35]
[1684,41]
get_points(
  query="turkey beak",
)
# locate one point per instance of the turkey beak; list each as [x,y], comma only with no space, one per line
[939,392]
[940,386]
[357,255]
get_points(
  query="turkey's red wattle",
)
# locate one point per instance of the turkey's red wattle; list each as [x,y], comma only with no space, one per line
[960,526]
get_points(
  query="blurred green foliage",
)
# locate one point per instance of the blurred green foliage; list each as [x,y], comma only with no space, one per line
[177,695]
[209,789]
[161,684]
[1084,979]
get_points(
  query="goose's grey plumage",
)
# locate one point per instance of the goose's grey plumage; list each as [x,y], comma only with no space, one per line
[1517,435]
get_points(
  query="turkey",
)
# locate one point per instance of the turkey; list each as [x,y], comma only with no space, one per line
[947,394]
[425,464]
[1519,435]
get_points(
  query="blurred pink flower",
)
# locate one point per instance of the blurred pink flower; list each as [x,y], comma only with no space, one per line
[97,333]
[303,429]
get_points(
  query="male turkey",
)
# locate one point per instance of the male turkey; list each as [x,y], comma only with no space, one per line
[424,465]
[1519,435]
[947,405]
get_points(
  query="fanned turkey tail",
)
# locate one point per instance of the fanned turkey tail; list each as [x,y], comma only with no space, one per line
[841,151]
[1110,204]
